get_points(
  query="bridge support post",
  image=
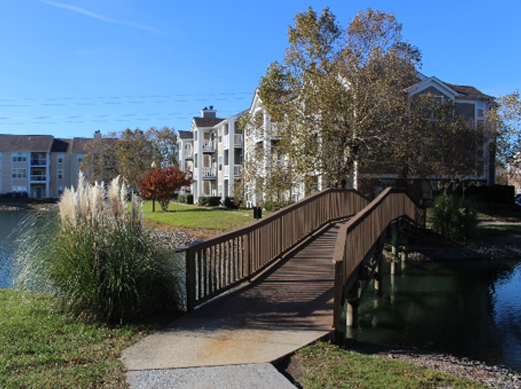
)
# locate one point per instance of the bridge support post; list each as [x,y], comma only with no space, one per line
[395,240]
[353,301]
[378,279]
[352,314]
[404,251]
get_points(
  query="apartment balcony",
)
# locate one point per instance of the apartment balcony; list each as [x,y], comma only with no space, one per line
[209,146]
[236,171]
[189,154]
[38,162]
[237,141]
[258,135]
[38,178]
[209,173]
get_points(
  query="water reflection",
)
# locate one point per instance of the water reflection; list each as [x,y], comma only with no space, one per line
[9,223]
[464,308]
[13,224]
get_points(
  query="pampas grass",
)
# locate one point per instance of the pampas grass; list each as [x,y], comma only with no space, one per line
[98,258]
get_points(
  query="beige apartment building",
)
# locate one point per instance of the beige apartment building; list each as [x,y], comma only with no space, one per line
[39,166]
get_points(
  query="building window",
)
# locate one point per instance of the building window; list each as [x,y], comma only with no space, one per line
[19,173]
[19,157]
[60,158]
[60,190]
[19,188]
[80,159]
[60,174]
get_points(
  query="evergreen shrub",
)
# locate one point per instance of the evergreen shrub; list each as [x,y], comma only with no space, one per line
[454,217]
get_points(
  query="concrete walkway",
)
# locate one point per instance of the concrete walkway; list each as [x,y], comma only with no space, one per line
[232,341]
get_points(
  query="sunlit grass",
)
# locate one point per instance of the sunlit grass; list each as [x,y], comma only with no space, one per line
[43,348]
[327,366]
[197,218]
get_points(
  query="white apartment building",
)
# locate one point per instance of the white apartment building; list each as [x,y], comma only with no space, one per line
[212,151]
[264,161]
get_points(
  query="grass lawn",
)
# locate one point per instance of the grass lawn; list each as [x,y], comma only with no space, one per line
[42,348]
[323,365]
[194,217]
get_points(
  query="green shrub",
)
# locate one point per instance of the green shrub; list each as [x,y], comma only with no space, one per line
[189,198]
[181,198]
[271,205]
[229,202]
[98,259]
[454,217]
[209,201]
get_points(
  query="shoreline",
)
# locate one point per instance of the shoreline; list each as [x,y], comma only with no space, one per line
[498,376]
[14,206]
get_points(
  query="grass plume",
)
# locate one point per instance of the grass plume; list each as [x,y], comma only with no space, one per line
[98,258]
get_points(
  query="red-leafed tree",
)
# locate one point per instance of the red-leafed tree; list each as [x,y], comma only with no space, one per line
[161,184]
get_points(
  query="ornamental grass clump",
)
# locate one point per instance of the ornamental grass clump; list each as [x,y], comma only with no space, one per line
[99,260]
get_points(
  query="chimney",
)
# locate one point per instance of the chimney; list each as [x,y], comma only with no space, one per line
[209,113]
[97,134]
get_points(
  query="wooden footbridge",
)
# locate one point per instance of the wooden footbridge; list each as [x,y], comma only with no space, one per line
[303,265]
[259,293]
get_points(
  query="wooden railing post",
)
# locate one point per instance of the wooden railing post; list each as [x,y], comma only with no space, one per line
[338,294]
[247,255]
[190,280]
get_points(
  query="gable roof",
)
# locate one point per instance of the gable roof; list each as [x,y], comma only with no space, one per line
[185,135]
[207,122]
[455,91]
[467,90]
[60,145]
[35,143]
[78,145]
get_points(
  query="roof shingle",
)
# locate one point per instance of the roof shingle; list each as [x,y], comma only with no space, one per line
[35,143]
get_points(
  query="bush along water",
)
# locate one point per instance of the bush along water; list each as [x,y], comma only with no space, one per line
[454,217]
[99,260]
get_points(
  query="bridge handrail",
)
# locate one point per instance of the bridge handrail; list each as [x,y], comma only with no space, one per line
[220,263]
[357,237]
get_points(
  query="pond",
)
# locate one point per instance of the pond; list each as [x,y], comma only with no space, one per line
[9,232]
[465,308]
[470,309]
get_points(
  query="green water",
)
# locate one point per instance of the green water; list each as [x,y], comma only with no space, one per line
[465,308]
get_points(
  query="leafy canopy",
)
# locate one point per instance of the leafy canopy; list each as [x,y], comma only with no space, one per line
[340,93]
[162,183]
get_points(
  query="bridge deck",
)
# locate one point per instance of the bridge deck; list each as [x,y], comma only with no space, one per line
[289,306]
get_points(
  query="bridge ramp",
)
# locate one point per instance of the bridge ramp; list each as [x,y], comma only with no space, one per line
[291,305]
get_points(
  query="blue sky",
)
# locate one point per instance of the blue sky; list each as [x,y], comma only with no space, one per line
[71,67]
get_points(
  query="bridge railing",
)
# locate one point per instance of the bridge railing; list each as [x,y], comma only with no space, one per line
[220,263]
[359,235]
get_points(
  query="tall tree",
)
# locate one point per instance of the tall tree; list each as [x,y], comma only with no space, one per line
[100,162]
[339,94]
[162,183]
[135,153]
[165,145]
[505,120]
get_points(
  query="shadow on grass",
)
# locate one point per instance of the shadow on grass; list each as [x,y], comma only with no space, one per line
[214,209]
